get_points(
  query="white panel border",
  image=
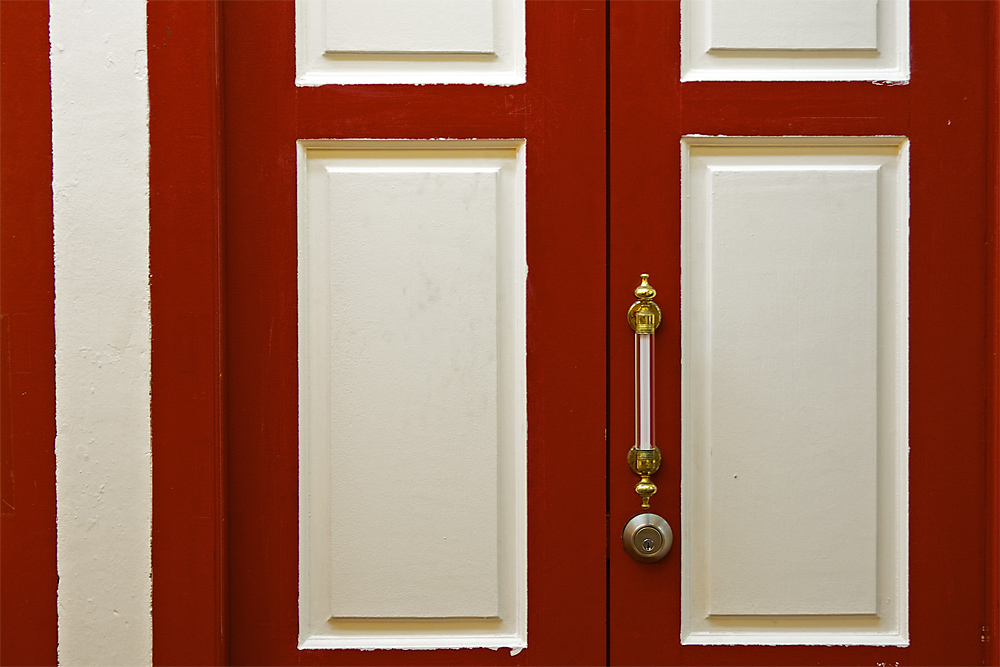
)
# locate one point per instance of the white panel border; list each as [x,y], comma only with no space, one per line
[510,631]
[889,64]
[504,68]
[891,628]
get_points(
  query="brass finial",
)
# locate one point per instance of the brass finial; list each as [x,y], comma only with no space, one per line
[645,290]
[644,315]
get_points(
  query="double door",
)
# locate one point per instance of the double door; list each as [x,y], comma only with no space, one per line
[819,372]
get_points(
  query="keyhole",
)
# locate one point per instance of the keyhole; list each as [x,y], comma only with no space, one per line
[647,544]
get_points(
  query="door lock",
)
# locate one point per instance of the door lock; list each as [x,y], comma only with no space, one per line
[647,537]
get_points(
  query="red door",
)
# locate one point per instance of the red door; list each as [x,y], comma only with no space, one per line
[560,115]
[943,113]
[603,113]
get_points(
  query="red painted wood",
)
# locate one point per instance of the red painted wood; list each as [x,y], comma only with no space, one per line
[644,166]
[992,613]
[778,107]
[948,378]
[189,538]
[944,112]
[27,365]
[560,112]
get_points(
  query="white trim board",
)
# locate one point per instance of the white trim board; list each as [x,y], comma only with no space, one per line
[100,184]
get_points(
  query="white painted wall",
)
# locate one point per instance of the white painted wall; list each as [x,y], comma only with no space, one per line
[101,229]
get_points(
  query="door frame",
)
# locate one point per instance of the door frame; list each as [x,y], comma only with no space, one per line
[187,269]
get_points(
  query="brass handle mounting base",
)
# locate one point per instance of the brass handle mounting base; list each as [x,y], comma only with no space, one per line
[644,463]
[644,315]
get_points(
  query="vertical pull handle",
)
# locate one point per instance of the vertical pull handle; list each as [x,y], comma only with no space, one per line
[644,316]
[647,537]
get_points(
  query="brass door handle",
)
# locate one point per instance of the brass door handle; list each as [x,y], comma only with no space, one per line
[647,537]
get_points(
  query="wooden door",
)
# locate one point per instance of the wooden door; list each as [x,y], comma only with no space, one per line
[459,141]
[596,218]
[697,169]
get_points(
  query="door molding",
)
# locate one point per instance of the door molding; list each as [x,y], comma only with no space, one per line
[190,595]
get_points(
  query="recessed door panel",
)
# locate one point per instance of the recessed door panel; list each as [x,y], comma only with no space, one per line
[404,41]
[402,384]
[794,392]
[795,40]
